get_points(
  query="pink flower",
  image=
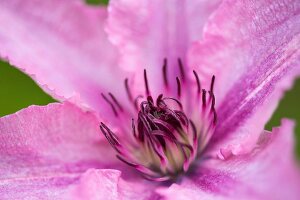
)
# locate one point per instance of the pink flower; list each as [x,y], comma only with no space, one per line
[203,137]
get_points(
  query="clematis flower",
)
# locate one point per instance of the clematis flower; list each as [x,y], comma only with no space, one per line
[159,99]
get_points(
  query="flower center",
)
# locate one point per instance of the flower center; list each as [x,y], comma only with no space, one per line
[164,140]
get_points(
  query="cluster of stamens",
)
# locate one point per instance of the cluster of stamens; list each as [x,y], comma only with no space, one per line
[164,141]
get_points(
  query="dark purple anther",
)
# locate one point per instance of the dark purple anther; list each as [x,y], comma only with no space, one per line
[178,87]
[165,74]
[146,83]
[197,81]
[181,68]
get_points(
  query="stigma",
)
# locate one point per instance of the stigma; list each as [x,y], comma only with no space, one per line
[164,139]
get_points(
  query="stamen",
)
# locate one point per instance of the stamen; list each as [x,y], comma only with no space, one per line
[126,162]
[116,101]
[128,90]
[204,98]
[182,117]
[106,135]
[150,139]
[136,101]
[164,141]
[150,100]
[133,128]
[198,82]
[181,69]
[146,83]
[215,117]
[158,179]
[178,87]
[189,147]
[163,134]
[165,76]
[212,83]
[161,157]
[194,130]
[111,104]
[159,99]
[111,134]
[213,100]
[111,137]
[178,102]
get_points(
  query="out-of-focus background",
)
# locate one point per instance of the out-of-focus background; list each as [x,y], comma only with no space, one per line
[18,91]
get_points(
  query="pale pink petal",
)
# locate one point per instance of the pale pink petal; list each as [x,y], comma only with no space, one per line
[253,49]
[62,45]
[147,31]
[268,172]
[38,188]
[48,139]
[91,185]
[108,185]
[45,149]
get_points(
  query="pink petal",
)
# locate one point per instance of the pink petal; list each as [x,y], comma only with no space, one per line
[93,184]
[253,49]
[62,45]
[55,138]
[268,172]
[146,32]
[108,185]
[45,187]
[44,150]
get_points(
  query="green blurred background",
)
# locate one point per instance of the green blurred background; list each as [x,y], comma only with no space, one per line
[18,91]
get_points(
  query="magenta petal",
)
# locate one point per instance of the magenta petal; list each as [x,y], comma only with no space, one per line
[147,31]
[62,45]
[253,49]
[55,138]
[268,172]
[107,184]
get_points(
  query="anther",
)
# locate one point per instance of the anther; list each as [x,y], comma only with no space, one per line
[146,83]
[194,130]
[178,87]
[111,104]
[204,98]
[215,117]
[213,100]
[111,142]
[116,101]
[126,162]
[128,90]
[159,99]
[212,83]
[165,76]
[136,102]
[198,82]
[133,128]
[110,133]
[181,69]
[111,137]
